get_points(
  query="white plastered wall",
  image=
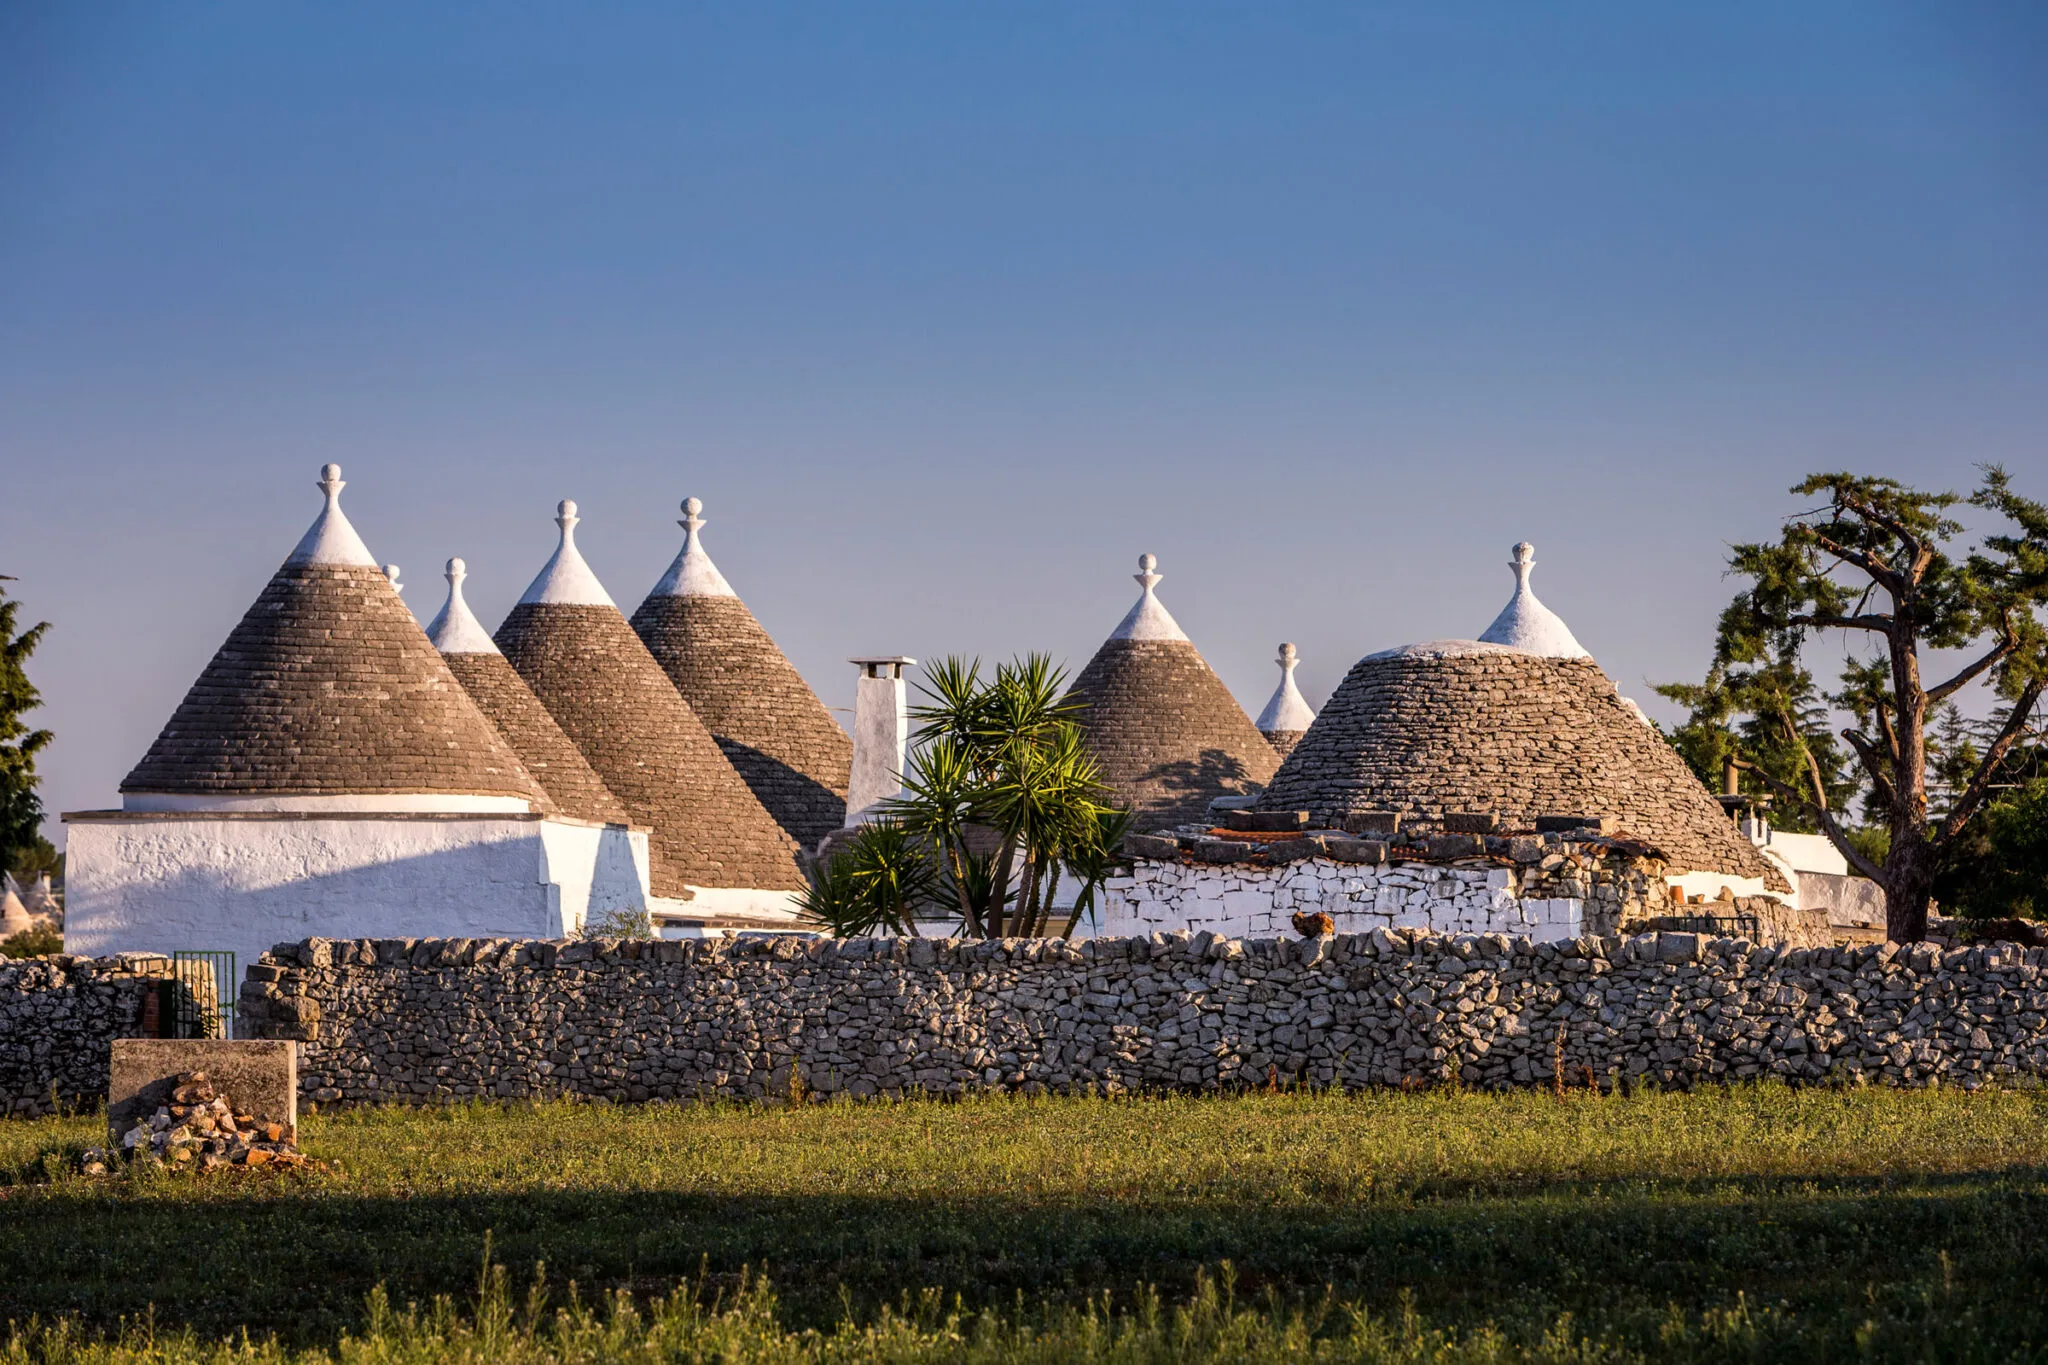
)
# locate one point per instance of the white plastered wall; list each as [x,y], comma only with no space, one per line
[1250,901]
[139,881]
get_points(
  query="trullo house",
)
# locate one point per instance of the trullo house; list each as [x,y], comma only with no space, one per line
[328,775]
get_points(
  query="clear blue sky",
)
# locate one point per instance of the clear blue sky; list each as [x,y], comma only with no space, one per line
[948,312]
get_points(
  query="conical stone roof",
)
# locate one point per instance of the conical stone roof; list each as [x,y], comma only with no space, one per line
[1167,732]
[1287,715]
[766,719]
[14,916]
[1464,726]
[568,641]
[505,699]
[328,687]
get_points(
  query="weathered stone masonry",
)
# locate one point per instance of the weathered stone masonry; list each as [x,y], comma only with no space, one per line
[57,1017]
[440,1020]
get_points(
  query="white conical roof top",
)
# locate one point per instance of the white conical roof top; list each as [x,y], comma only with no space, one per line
[14,917]
[566,580]
[330,539]
[1149,619]
[693,574]
[1526,624]
[456,630]
[1288,711]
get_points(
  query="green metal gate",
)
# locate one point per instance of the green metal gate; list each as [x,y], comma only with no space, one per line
[205,982]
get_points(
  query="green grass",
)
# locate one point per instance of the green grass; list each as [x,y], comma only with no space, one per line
[1747,1224]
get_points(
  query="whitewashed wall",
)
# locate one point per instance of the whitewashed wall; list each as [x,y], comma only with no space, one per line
[1245,900]
[158,882]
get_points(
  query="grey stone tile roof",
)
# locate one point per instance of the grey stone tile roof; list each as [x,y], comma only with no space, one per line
[1283,741]
[772,727]
[1440,730]
[612,699]
[1167,732]
[548,754]
[327,686]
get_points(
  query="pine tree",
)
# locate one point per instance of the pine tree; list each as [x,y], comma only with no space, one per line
[1876,563]
[21,810]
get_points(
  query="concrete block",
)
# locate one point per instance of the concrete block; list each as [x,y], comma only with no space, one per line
[259,1077]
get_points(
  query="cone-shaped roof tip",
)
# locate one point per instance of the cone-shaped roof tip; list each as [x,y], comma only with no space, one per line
[327,687]
[330,539]
[1525,623]
[566,579]
[1149,619]
[456,630]
[1288,711]
[693,574]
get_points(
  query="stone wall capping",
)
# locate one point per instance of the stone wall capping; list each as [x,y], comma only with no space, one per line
[1265,821]
[1561,824]
[1371,851]
[1385,823]
[1151,846]
[1471,822]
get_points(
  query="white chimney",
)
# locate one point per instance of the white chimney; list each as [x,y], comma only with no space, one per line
[881,735]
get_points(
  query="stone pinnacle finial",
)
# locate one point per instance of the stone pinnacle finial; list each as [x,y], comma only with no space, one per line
[693,574]
[391,572]
[330,539]
[567,580]
[1524,560]
[1149,619]
[1288,712]
[1525,623]
[456,630]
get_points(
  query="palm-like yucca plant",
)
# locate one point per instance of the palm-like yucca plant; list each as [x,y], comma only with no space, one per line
[875,884]
[1003,794]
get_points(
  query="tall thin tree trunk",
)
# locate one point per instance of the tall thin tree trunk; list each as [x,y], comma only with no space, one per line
[1908,889]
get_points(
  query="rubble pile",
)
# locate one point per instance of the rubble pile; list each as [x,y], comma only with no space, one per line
[200,1130]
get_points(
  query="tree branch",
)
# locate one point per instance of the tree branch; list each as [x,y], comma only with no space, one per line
[1878,570]
[1881,624]
[1980,781]
[1866,753]
[1869,512]
[1823,816]
[1964,678]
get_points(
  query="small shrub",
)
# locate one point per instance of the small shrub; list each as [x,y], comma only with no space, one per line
[40,941]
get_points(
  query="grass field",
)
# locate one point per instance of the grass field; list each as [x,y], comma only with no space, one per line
[1748,1224]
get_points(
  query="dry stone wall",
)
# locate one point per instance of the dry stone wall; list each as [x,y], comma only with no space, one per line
[774,1017]
[58,1017]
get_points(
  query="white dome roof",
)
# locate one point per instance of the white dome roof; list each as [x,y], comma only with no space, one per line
[1526,624]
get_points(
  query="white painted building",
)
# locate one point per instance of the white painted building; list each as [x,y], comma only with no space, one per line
[328,776]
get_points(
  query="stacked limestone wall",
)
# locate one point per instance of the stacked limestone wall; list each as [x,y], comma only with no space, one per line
[440,1020]
[57,1017]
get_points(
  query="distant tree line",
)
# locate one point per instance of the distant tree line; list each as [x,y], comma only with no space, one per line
[23,850]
